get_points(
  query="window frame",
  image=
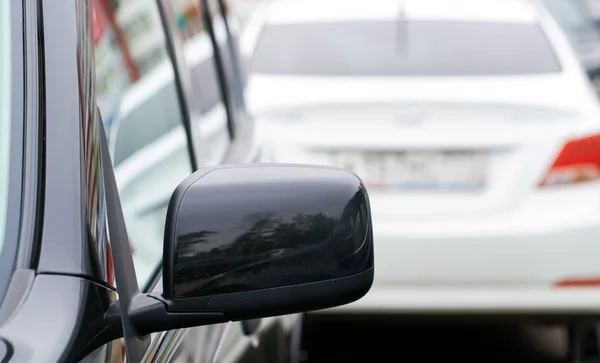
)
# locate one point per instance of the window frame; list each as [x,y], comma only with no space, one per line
[239,78]
[175,56]
[226,92]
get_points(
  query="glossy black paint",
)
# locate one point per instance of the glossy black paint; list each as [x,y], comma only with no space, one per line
[250,241]
[283,239]
[247,228]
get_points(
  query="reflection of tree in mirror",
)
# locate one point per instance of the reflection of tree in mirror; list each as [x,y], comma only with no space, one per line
[221,261]
[270,233]
[188,244]
[264,233]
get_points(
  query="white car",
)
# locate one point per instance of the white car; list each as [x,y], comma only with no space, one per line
[475,130]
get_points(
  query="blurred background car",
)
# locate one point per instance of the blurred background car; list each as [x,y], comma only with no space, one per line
[473,125]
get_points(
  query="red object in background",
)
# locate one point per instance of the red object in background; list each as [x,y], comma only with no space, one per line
[98,24]
[578,161]
[109,14]
[584,150]
[192,10]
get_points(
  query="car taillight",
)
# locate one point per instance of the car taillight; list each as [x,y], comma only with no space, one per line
[578,161]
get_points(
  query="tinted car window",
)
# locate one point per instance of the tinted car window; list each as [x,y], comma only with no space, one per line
[159,106]
[413,48]
[143,117]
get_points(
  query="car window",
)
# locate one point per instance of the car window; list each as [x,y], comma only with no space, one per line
[137,97]
[406,48]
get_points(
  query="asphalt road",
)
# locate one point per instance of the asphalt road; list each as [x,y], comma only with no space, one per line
[374,343]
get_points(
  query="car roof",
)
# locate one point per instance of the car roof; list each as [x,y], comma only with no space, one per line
[304,11]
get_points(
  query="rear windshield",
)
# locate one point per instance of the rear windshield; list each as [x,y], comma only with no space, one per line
[404,48]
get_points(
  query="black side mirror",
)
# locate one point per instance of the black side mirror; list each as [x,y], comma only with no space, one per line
[251,241]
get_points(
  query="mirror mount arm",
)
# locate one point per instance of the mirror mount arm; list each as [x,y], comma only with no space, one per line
[113,329]
[149,314]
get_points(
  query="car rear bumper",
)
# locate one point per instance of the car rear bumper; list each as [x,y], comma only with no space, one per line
[486,251]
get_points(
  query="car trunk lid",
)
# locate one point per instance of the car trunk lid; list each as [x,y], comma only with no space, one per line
[430,158]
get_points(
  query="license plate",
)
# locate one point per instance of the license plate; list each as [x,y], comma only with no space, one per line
[417,170]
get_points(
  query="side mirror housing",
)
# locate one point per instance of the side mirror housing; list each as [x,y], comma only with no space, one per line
[251,241]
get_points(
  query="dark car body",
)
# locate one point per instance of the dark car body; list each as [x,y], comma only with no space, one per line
[56,270]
